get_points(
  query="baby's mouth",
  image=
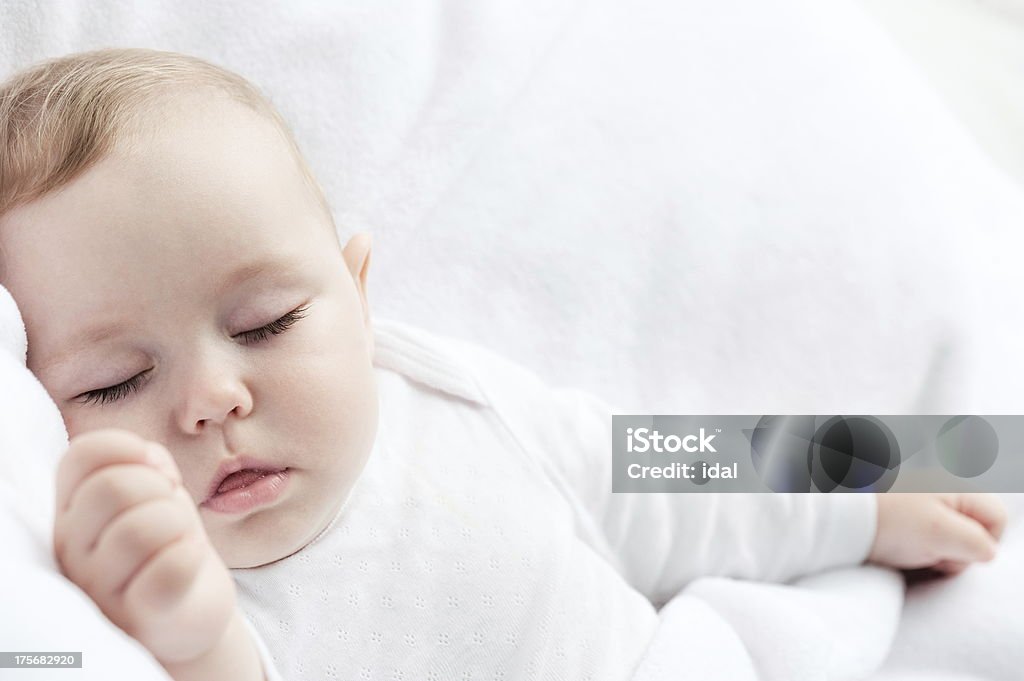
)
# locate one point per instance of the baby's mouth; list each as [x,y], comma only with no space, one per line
[242,478]
[237,473]
[244,490]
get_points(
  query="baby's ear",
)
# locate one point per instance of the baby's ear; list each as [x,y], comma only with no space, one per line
[357,258]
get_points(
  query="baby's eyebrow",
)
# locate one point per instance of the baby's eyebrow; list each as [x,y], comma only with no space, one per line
[286,269]
[89,336]
[255,269]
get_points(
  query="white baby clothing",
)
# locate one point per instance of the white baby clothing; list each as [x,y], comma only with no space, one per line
[482,541]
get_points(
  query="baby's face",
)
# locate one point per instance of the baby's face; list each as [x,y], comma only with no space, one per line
[147,274]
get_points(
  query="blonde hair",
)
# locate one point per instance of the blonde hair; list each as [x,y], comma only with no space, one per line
[60,117]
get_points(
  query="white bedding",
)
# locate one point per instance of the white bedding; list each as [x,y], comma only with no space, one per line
[972,51]
[849,624]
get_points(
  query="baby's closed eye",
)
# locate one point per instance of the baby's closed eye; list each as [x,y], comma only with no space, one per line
[125,388]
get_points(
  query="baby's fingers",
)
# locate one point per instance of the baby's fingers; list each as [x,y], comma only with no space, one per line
[950,567]
[98,500]
[165,578]
[987,509]
[962,539]
[134,538]
[93,450]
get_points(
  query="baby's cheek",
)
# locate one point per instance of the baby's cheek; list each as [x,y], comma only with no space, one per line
[335,381]
[84,419]
[339,412]
[74,424]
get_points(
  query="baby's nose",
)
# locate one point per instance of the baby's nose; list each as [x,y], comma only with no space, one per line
[213,399]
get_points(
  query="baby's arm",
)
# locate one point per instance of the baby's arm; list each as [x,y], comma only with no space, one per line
[660,542]
[128,534]
[942,531]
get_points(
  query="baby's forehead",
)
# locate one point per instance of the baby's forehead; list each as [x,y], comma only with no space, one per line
[181,208]
[194,123]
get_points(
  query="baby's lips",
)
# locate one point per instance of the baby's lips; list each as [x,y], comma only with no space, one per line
[158,456]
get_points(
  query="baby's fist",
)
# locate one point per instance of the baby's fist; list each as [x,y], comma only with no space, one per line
[942,531]
[129,535]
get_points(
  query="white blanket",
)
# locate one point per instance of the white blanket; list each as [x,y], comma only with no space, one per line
[32,434]
[849,624]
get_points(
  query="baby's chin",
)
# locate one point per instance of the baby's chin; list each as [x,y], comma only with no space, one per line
[257,549]
[271,534]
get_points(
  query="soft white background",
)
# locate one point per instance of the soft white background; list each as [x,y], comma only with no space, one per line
[972,51]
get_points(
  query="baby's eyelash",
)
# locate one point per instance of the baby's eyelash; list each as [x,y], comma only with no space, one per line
[114,392]
[273,328]
[124,389]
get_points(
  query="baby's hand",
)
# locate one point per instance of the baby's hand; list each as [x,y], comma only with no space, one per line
[942,531]
[129,535]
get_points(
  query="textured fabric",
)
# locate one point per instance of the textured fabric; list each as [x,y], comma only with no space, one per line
[482,540]
[836,625]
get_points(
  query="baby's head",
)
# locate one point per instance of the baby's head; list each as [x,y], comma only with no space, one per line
[180,276]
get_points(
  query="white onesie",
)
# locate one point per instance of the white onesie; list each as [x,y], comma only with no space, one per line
[483,542]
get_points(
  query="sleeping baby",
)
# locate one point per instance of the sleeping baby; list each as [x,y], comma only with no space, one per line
[263,481]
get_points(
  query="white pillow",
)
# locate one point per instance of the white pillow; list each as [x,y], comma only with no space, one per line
[32,433]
